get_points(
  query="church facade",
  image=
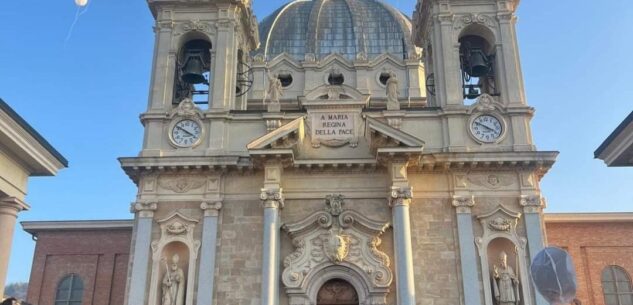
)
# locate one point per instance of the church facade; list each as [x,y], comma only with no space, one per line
[336,153]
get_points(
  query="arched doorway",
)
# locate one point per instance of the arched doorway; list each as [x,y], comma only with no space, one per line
[337,292]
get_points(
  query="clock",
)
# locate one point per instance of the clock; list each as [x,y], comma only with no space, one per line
[486,128]
[186,133]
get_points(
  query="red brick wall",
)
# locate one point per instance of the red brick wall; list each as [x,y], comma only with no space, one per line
[593,246]
[99,257]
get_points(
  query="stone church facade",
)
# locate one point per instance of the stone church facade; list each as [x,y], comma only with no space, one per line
[337,153]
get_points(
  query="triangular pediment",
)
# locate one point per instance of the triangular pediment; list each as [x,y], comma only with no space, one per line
[296,143]
[286,60]
[292,131]
[339,59]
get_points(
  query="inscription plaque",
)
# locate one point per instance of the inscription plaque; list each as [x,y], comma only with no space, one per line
[333,128]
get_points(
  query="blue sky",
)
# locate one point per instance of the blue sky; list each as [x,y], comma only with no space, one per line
[84,94]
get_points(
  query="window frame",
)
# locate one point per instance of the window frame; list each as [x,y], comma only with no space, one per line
[75,284]
[613,273]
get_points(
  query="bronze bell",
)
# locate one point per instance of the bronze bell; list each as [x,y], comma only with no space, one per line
[192,72]
[477,63]
[471,92]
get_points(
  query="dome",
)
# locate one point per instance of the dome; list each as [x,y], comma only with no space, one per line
[346,27]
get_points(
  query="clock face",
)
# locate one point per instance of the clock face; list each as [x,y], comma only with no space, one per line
[186,133]
[486,128]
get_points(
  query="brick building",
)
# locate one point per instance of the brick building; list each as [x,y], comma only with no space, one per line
[96,253]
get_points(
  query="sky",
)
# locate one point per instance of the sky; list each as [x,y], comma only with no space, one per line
[84,89]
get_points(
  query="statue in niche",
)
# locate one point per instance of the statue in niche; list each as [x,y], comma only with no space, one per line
[392,92]
[173,283]
[505,282]
[275,89]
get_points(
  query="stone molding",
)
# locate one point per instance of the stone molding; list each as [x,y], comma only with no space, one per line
[531,203]
[144,209]
[463,204]
[211,209]
[400,196]
[12,206]
[272,198]
[331,243]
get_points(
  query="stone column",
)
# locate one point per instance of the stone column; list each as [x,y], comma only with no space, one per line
[9,209]
[272,200]
[399,201]
[207,263]
[467,254]
[137,287]
[532,206]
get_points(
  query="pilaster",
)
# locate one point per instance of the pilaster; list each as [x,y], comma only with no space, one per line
[9,209]
[206,273]
[467,254]
[137,285]
[399,200]
[532,213]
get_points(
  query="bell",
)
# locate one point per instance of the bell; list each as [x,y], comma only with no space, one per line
[477,63]
[192,72]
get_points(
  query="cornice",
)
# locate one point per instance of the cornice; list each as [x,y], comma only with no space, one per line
[34,227]
[615,217]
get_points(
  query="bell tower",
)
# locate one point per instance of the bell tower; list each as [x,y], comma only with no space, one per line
[470,54]
[199,54]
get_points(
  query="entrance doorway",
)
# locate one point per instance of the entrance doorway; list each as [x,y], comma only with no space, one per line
[337,292]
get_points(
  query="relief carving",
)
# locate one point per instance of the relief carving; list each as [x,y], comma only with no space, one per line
[336,237]
[491,180]
[181,183]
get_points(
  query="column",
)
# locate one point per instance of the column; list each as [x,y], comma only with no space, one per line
[532,206]
[142,242]
[400,198]
[272,200]
[206,273]
[9,209]
[467,254]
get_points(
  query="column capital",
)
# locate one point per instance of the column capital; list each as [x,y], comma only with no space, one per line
[12,206]
[463,204]
[400,196]
[144,209]
[532,203]
[272,198]
[211,208]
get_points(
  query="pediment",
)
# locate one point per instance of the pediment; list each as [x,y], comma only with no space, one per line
[335,58]
[387,57]
[371,141]
[334,93]
[285,59]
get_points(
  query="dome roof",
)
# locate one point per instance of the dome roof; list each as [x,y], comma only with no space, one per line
[346,27]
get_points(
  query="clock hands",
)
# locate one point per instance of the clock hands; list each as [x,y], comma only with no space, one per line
[187,131]
[485,126]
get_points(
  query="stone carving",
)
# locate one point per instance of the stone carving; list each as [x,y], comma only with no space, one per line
[309,58]
[272,198]
[145,209]
[500,224]
[334,92]
[463,204]
[186,107]
[463,21]
[392,92]
[335,237]
[173,283]
[211,209]
[491,180]
[337,292]
[259,58]
[335,245]
[361,56]
[485,103]
[177,228]
[275,89]
[531,203]
[506,283]
[181,183]
[196,25]
[400,196]
[334,204]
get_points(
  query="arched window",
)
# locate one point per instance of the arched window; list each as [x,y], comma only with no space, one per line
[70,290]
[616,285]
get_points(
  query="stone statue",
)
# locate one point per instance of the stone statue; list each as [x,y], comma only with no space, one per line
[392,92]
[274,88]
[505,283]
[173,283]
